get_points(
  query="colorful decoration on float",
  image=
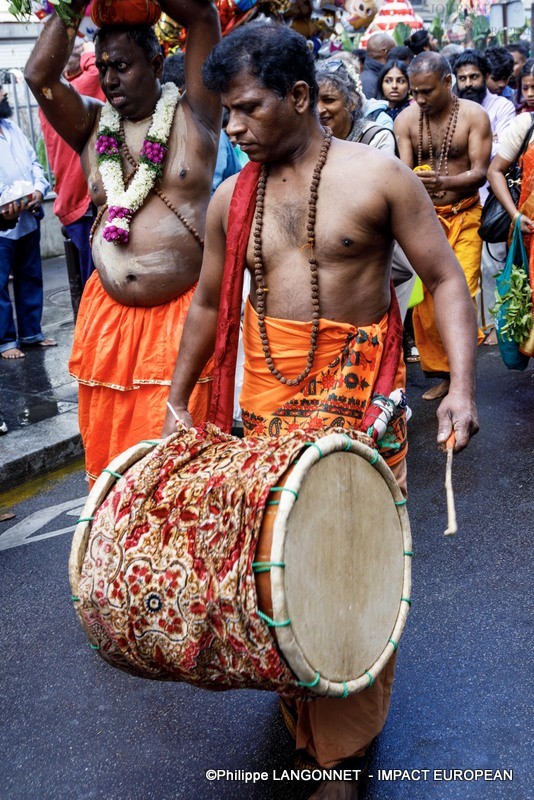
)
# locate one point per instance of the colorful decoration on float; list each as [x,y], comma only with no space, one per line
[360,13]
[232,13]
[170,35]
[393,12]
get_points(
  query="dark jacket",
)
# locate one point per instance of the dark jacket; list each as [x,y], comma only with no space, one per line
[369,77]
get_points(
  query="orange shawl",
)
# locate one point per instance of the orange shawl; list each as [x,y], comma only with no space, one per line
[338,390]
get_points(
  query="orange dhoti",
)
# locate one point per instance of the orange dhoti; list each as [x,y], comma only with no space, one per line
[123,358]
[335,395]
[460,223]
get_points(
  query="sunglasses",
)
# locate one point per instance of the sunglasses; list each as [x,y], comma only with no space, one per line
[330,66]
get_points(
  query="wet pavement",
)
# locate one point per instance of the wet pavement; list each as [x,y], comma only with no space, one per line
[39,386]
[38,398]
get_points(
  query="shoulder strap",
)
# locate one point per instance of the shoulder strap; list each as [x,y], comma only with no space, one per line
[370,134]
[526,140]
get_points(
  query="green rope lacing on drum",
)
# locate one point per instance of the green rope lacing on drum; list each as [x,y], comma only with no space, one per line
[271,622]
[401,502]
[406,600]
[371,679]
[312,683]
[148,441]
[374,458]
[312,444]
[94,647]
[85,519]
[345,690]
[349,442]
[394,643]
[110,472]
[272,503]
[408,553]
[74,599]
[265,566]
[284,489]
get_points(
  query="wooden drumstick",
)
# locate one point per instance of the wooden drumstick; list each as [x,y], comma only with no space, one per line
[451,511]
[173,412]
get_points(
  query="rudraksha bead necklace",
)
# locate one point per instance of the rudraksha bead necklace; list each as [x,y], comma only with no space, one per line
[443,161]
[261,288]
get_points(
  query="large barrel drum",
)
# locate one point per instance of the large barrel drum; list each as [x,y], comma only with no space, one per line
[279,564]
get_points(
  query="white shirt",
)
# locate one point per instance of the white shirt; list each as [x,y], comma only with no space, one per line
[511,142]
[501,113]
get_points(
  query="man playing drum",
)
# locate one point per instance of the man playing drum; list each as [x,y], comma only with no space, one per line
[323,214]
[148,156]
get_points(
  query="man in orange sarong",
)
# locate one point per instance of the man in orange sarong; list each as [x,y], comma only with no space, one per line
[460,223]
[447,142]
[147,238]
[123,358]
[322,333]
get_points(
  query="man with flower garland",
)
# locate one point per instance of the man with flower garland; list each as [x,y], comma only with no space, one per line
[148,155]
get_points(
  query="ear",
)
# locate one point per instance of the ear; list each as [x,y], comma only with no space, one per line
[448,81]
[157,65]
[300,95]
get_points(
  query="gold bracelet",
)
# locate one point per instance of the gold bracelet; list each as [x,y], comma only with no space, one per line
[516,216]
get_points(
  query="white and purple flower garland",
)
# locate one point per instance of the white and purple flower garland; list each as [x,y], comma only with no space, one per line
[124,202]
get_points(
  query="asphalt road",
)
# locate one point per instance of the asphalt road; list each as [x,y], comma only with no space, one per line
[72,728]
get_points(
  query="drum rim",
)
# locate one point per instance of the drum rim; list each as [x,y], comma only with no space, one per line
[306,675]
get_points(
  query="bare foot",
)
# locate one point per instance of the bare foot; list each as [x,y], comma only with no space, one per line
[46,343]
[12,353]
[491,338]
[440,390]
[336,790]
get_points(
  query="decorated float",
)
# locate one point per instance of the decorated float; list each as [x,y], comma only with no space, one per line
[328,25]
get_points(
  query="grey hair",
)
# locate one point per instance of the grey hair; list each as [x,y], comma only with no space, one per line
[345,80]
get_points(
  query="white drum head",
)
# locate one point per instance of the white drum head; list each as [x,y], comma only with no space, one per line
[343,542]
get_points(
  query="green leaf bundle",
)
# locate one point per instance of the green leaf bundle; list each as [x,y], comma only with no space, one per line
[515,307]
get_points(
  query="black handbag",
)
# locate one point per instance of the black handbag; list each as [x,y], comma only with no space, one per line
[495,220]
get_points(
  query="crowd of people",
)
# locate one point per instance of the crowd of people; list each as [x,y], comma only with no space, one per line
[325,228]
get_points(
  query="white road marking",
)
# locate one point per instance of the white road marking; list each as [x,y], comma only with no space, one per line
[23,532]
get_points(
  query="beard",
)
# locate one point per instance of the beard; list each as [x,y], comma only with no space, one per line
[474,94]
[5,109]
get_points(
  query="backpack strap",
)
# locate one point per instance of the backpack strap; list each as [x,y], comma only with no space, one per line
[370,134]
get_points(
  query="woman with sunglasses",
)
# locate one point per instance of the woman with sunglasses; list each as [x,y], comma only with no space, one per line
[394,87]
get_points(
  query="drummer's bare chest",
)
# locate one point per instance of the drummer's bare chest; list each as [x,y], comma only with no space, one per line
[289,218]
